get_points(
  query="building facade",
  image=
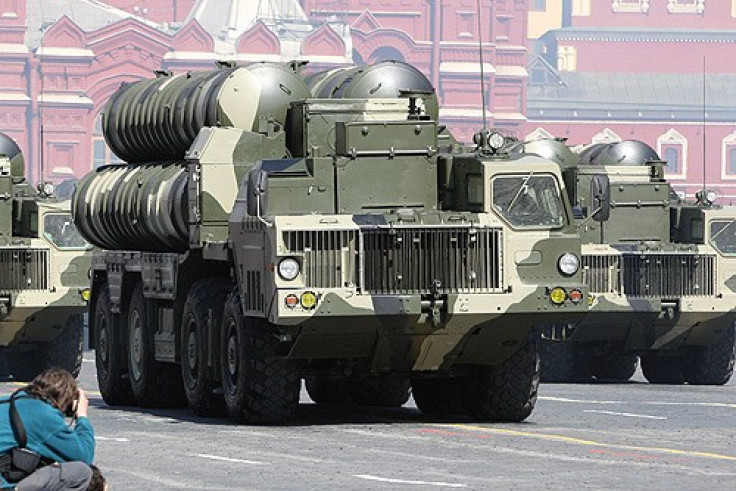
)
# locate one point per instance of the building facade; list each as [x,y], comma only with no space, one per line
[659,71]
[60,60]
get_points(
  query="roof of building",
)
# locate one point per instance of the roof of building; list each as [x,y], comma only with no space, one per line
[628,34]
[633,96]
[89,15]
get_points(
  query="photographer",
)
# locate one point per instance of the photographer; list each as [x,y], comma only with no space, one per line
[66,451]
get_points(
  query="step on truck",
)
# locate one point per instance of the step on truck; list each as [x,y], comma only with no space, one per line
[661,271]
[259,236]
[44,266]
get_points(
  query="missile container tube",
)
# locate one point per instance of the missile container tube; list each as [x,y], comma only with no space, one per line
[262,234]
[660,271]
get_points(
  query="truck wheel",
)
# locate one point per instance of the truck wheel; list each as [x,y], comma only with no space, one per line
[111,371]
[326,391]
[711,365]
[660,369]
[259,387]
[154,384]
[202,312]
[618,368]
[24,365]
[66,350]
[561,363]
[438,397]
[380,392]
[505,392]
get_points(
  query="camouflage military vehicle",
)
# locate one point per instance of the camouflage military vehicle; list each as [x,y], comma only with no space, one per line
[44,265]
[662,272]
[259,236]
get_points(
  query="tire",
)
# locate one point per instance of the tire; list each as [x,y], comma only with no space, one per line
[711,365]
[258,386]
[326,391]
[202,312]
[25,365]
[154,384]
[614,368]
[562,363]
[109,348]
[438,397]
[380,392]
[66,350]
[505,392]
[659,369]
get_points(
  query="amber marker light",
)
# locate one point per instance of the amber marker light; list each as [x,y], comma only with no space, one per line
[309,300]
[557,295]
[291,301]
[576,296]
[86,294]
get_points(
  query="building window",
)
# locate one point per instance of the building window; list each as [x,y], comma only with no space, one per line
[672,157]
[101,153]
[581,8]
[631,6]
[686,6]
[733,8]
[728,157]
[672,147]
[567,58]
[538,6]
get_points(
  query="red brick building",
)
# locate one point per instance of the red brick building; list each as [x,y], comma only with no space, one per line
[630,69]
[61,59]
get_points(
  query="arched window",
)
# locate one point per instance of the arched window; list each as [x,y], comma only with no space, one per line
[101,153]
[672,157]
[732,161]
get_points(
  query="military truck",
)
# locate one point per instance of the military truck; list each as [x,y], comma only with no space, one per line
[44,265]
[661,272]
[258,236]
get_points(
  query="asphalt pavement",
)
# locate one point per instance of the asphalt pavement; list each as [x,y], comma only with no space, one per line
[589,436]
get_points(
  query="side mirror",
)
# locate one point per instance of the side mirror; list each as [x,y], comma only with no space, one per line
[600,198]
[257,191]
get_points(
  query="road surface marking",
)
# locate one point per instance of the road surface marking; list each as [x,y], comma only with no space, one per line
[111,439]
[627,415]
[646,403]
[88,360]
[590,443]
[229,459]
[416,483]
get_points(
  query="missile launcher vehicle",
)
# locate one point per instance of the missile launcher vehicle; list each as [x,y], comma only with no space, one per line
[44,265]
[662,272]
[259,236]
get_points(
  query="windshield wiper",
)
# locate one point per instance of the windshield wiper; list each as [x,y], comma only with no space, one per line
[523,187]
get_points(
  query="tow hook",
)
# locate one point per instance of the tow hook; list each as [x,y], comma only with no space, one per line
[435,304]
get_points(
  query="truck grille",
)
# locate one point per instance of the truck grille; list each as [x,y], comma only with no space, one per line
[401,260]
[411,260]
[601,273]
[668,275]
[651,275]
[24,269]
[329,256]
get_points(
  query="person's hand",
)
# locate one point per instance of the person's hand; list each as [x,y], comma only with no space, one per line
[82,403]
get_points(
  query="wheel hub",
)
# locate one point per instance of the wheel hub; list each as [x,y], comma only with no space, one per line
[232,356]
[136,344]
[192,350]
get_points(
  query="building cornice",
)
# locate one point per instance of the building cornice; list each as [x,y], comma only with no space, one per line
[627,35]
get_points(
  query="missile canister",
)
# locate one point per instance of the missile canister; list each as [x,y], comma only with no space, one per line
[12,151]
[386,79]
[552,149]
[142,207]
[158,119]
[629,152]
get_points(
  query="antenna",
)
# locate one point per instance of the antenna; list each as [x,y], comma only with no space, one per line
[482,74]
[704,116]
[41,177]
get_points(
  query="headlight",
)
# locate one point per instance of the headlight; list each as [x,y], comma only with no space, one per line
[568,264]
[496,140]
[288,268]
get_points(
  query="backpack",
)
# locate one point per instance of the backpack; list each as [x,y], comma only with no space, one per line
[21,461]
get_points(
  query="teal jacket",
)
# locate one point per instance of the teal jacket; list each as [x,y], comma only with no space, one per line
[47,431]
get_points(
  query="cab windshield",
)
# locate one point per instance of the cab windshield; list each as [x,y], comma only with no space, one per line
[723,236]
[59,229]
[531,200]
